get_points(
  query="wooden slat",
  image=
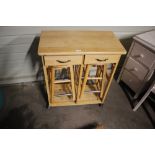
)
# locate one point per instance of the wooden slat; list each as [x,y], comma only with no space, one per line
[72,81]
[62,81]
[63,94]
[98,74]
[109,81]
[71,103]
[52,83]
[93,78]
[92,91]
[103,80]
[85,80]
[46,80]
[79,82]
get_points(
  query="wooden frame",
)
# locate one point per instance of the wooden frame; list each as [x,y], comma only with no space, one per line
[83,58]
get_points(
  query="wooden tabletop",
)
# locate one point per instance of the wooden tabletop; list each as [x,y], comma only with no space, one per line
[79,42]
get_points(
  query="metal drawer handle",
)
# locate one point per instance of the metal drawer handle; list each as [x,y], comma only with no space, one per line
[102,60]
[63,61]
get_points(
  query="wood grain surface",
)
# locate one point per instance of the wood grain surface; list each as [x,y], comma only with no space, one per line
[79,42]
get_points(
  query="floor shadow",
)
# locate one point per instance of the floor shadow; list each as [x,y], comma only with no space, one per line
[43,93]
[128,92]
[93,125]
[149,115]
[89,126]
[151,100]
[148,111]
[18,118]
[37,66]
[34,58]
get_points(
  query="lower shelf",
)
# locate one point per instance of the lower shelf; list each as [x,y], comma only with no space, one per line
[71,103]
[63,100]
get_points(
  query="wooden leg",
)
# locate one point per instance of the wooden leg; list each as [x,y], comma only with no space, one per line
[79,83]
[109,81]
[98,74]
[52,83]
[72,82]
[103,79]
[46,80]
[85,80]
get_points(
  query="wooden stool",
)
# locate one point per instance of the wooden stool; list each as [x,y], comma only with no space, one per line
[99,80]
[102,80]
[53,81]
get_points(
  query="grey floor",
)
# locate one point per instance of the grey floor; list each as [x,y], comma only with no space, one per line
[25,107]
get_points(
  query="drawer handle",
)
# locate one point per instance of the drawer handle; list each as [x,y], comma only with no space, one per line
[134,69]
[139,56]
[63,61]
[102,60]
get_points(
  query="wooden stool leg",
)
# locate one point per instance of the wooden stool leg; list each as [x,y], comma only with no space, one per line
[103,79]
[79,83]
[97,75]
[85,80]
[46,79]
[72,82]
[109,81]
[52,83]
[100,71]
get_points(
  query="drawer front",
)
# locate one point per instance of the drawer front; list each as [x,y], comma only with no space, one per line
[101,59]
[62,60]
[135,68]
[131,81]
[143,55]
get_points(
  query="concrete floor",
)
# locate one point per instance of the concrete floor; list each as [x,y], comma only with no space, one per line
[25,107]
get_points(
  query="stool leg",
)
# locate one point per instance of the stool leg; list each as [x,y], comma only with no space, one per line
[79,83]
[85,80]
[109,81]
[72,81]
[103,79]
[46,79]
[52,83]
[98,72]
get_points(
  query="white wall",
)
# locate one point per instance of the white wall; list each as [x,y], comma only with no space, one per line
[19,61]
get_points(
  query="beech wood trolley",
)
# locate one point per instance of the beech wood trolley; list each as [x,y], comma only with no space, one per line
[78,65]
